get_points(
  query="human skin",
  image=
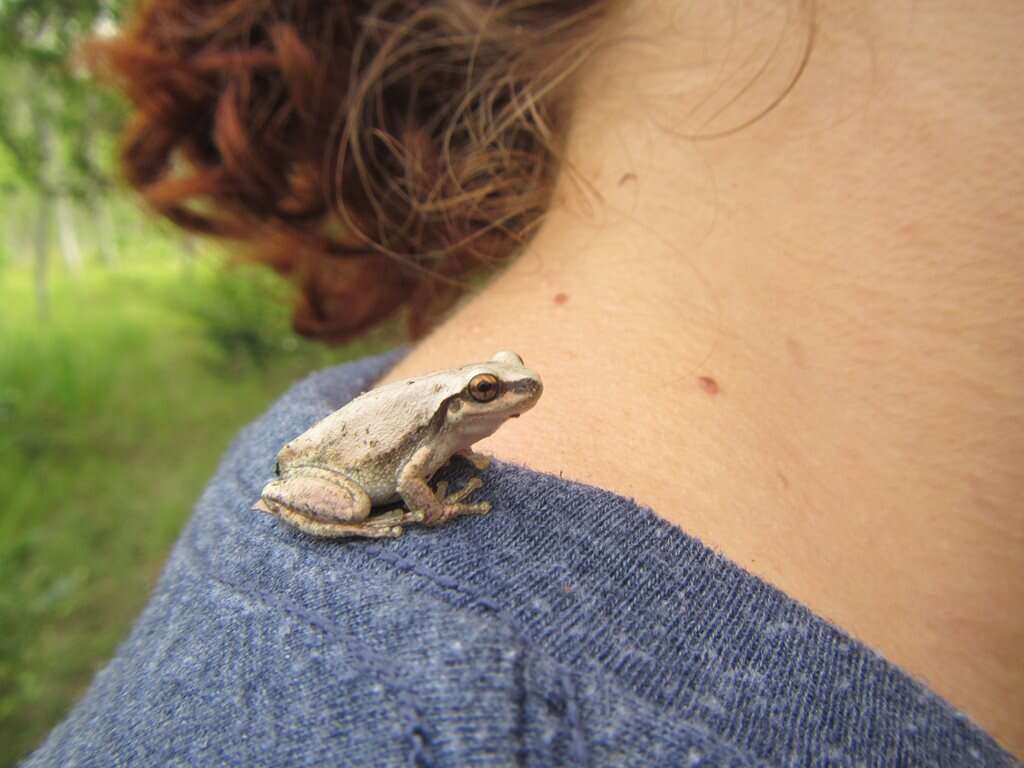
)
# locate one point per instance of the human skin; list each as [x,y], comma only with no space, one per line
[801,341]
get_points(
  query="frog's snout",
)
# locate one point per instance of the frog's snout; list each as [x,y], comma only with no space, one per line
[527,393]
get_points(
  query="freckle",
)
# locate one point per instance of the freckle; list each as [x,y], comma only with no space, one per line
[561,298]
[626,177]
[708,384]
[795,350]
[783,479]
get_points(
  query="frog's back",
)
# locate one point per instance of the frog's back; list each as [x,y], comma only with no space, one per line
[380,425]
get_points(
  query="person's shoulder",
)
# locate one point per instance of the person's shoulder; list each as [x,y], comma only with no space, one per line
[569,626]
[263,646]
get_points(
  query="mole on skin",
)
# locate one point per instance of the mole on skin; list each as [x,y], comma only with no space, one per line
[709,385]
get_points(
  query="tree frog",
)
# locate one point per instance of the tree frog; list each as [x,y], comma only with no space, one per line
[383,447]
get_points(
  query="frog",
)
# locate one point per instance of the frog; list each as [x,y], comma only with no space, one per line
[383,447]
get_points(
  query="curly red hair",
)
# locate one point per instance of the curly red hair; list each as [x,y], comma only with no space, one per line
[377,152]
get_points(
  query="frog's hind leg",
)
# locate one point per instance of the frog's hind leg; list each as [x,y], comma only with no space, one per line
[328,529]
[396,517]
[323,502]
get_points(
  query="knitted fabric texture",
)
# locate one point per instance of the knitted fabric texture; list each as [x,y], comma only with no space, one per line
[569,627]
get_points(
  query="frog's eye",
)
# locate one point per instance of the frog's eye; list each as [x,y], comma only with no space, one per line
[483,387]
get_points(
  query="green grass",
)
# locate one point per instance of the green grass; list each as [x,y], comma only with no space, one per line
[113,414]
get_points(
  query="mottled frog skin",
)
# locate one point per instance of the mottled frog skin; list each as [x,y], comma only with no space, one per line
[385,445]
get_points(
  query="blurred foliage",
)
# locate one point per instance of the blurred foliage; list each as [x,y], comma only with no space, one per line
[126,367]
[229,307]
[112,417]
[50,105]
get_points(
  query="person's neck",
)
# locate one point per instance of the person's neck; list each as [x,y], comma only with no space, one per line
[801,342]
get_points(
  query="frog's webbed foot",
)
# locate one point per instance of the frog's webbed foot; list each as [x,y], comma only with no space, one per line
[479,460]
[436,506]
[382,527]
[452,505]
[395,517]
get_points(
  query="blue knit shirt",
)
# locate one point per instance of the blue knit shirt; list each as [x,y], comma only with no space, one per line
[570,627]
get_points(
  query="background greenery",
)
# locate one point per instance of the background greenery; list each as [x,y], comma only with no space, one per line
[129,357]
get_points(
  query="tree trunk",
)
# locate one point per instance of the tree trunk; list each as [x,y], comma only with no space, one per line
[97,200]
[41,268]
[188,252]
[68,237]
[42,254]
[103,219]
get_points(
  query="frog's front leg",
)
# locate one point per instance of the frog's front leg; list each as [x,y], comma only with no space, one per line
[479,460]
[437,508]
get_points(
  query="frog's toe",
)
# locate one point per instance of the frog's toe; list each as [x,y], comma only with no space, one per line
[453,499]
[262,506]
[457,509]
[406,516]
[480,508]
[385,519]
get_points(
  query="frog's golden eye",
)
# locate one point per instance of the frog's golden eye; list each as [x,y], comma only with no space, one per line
[483,387]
